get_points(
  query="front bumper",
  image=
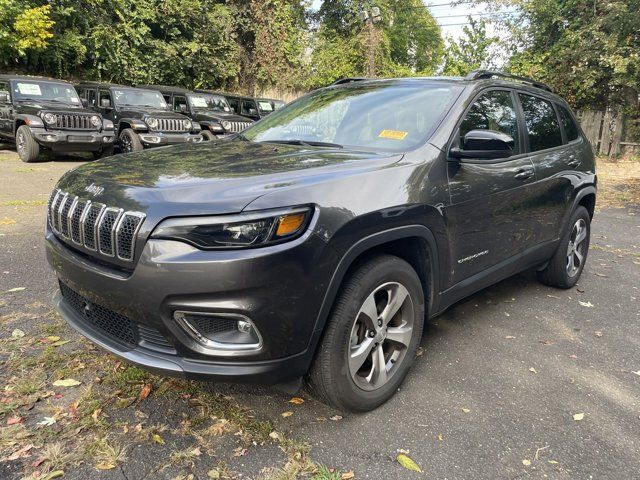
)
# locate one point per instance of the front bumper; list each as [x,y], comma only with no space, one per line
[280,288]
[73,140]
[155,139]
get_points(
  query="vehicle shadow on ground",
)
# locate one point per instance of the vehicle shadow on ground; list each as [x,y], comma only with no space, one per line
[48,156]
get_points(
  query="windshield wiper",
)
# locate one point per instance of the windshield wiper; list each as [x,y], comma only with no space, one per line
[306,143]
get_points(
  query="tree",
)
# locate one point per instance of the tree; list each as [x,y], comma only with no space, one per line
[470,52]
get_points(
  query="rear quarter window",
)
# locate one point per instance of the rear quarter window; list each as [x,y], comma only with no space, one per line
[568,123]
[541,123]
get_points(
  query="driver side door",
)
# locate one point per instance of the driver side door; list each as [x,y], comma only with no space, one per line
[489,215]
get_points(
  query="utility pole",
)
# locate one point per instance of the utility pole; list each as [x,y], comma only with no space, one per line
[369,18]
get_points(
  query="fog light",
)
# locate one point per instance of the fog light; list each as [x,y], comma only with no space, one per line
[150,138]
[220,333]
[244,326]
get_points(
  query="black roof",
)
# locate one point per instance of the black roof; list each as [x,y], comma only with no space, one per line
[110,85]
[7,77]
[220,94]
[165,88]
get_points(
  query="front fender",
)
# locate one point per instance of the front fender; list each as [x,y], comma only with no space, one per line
[134,124]
[30,120]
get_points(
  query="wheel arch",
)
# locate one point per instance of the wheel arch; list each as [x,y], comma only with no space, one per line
[413,243]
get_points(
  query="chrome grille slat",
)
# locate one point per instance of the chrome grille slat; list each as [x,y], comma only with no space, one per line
[103,230]
[171,125]
[69,121]
[237,127]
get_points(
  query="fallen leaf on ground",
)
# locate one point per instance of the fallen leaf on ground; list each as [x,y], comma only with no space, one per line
[144,393]
[297,400]
[54,474]
[215,474]
[53,338]
[509,337]
[466,410]
[637,373]
[598,333]
[335,418]
[419,352]
[59,343]
[105,465]
[67,382]
[526,462]
[157,438]
[16,289]
[573,356]
[14,420]
[585,304]
[578,416]
[552,462]
[532,370]
[408,463]
[348,475]
[440,437]
[96,413]
[47,421]
[17,333]
[22,453]
[601,275]
[274,435]
[286,414]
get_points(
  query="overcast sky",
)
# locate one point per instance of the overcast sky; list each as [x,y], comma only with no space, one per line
[449,17]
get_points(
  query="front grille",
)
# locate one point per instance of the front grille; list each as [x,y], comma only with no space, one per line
[171,125]
[107,321]
[114,324]
[237,127]
[107,231]
[69,121]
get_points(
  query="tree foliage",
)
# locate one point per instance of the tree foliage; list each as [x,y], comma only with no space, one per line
[471,51]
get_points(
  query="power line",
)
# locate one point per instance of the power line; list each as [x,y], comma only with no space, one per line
[474,14]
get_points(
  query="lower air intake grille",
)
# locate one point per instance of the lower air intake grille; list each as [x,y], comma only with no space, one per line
[210,325]
[109,322]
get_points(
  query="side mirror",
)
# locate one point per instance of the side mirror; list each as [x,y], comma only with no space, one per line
[85,102]
[105,103]
[182,108]
[253,112]
[484,145]
[4,98]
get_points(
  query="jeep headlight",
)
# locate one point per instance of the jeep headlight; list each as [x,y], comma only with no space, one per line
[96,121]
[50,118]
[245,230]
[226,125]
[151,122]
[186,124]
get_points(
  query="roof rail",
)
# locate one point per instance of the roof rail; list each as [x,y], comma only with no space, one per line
[342,81]
[481,74]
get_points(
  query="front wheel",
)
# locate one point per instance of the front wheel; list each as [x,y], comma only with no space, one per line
[28,149]
[566,265]
[130,141]
[371,337]
[207,136]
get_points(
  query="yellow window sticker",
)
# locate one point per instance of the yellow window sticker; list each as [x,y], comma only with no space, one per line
[393,134]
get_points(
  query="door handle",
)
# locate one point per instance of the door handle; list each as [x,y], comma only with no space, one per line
[524,173]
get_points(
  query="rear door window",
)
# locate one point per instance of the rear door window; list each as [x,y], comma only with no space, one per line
[568,123]
[541,122]
[493,111]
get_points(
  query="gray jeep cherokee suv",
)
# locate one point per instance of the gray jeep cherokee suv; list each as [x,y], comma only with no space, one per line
[319,241]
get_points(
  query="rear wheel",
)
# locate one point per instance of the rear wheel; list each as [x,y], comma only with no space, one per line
[207,136]
[566,265]
[28,149]
[130,141]
[371,337]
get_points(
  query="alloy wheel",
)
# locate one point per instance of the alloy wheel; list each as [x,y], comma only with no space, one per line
[380,336]
[126,144]
[576,249]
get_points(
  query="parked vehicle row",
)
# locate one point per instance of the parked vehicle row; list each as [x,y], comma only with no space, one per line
[40,113]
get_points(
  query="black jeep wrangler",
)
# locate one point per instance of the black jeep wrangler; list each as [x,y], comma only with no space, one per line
[43,113]
[245,106]
[141,116]
[208,108]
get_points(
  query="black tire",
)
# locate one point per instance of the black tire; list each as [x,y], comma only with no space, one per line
[28,149]
[105,152]
[130,141]
[559,272]
[330,377]
[207,136]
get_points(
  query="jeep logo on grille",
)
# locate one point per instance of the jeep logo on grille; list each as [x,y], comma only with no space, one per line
[94,189]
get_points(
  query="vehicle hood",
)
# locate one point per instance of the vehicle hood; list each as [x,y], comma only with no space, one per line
[211,177]
[219,117]
[33,108]
[151,112]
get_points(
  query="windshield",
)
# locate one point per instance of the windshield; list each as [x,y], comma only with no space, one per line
[207,102]
[265,106]
[45,92]
[385,116]
[139,98]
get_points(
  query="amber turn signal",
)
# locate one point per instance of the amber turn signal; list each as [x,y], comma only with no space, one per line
[289,224]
